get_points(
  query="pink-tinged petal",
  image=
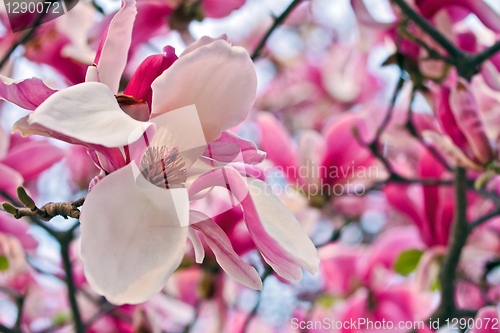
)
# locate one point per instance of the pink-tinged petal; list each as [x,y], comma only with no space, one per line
[111,59]
[343,149]
[399,198]
[444,144]
[151,21]
[230,145]
[81,166]
[47,48]
[131,236]
[27,94]
[447,120]
[311,150]
[274,229]
[4,142]
[108,159]
[199,250]
[219,79]
[152,67]
[467,41]
[33,158]
[277,233]
[220,8]
[339,268]
[464,108]
[491,75]
[90,113]
[487,15]
[489,315]
[205,40]
[365,18]
[277,143]
[224,253]
[10,179]
[17,228]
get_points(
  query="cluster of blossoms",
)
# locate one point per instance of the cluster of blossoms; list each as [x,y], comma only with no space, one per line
[357,180]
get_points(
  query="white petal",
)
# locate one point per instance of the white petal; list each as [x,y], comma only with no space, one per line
[219,79]
[131,241]
[90,113]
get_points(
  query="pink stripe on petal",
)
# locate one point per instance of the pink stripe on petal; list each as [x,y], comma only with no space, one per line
[113,55]
[224,253]
[464,108]
[27,94]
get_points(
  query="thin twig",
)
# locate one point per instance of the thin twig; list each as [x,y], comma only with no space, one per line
[484,218]
[277,21]
[25,37]
[252,313]
[51,210]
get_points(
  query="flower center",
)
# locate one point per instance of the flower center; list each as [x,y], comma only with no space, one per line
[163,167]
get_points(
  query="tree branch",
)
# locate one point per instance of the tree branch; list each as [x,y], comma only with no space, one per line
[50,210]
[277,21]
[452,50]
[458,237]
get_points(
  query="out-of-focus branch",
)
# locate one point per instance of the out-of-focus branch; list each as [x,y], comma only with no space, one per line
[458,237]
[252,313]
[277,21]
[484,218]
[466,64]
[486,54]
[65,242]
[429,29]
[26,36]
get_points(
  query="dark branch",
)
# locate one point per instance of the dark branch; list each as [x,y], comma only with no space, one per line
[458,237]
[277,21]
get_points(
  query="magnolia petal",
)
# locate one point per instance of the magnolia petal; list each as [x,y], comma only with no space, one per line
[88,112]
[152,67]
[10,179]
[17,228]
[131,239]
[229,145]
[445,144]
[311,150]
[491,75]
[277,233]
[487,15]
[199,251]
[464,108]
[221,8]
[4,142]
[33,158]
[205,40]
[112,58]
[487,314]
[219,79]
[277,143]
[183,129]
[365,18]
[224,253]
[273,228]
[27,94]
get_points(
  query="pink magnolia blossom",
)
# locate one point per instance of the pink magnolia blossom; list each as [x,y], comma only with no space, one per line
[220,81]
